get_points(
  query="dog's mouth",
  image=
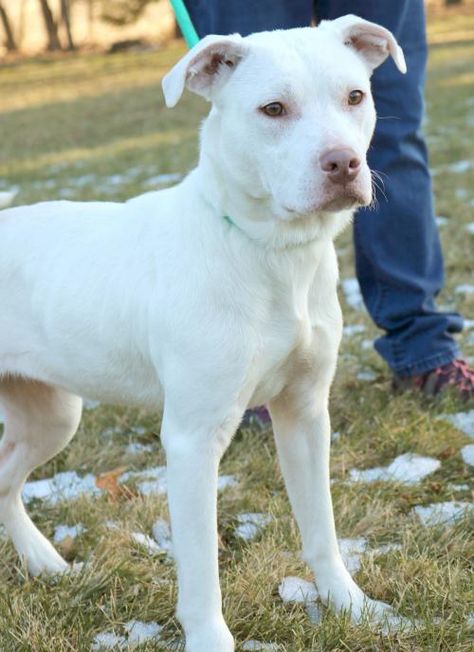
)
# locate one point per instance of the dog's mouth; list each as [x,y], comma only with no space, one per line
[350,199]
[344,202]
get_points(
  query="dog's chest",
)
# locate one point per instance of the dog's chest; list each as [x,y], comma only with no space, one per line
[285,340]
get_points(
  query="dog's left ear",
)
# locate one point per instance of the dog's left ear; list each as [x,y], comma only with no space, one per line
[204,68]
[371,41]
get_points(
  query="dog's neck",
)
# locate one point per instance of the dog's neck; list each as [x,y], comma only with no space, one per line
[254,215]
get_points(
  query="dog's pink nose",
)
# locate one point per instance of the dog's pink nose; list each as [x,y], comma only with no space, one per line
[340,165]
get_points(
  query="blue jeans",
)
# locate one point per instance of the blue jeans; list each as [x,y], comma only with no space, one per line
[399,263]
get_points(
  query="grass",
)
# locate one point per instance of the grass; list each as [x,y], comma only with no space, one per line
[95,126]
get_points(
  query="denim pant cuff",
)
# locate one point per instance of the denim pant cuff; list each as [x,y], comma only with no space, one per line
[428,364]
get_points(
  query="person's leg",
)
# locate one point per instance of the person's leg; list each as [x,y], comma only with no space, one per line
[398,255]
[226,17]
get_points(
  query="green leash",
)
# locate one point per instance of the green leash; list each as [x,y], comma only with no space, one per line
[185,23]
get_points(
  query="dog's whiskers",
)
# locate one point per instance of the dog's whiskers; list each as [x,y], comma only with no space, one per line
[377,184]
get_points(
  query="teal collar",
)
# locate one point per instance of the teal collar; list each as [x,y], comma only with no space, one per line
[228,220]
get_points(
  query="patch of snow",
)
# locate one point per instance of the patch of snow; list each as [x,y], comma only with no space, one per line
[110,432]
[392,622]
[44,184]
[134,448]
[152,487]
[408,469]
[63,486]
[295,589]
[162,179]
[140,632]
[442,513]
[225,481]
[162,535]
[146,542]
[78,566]
[152,481]
[467,453]
[138,430]
[468,324]
[116,179]
[441,221]
[259,645]
[351,551]
[354,329]
[366,375]
[108,641]
[384,548]
[251,524]
[458,487]
[314,612]
[459,167]
[90,404]
[7,197]
[465,288]
[63,531]
[352,293]
[463,421]
[367,344]
[470,228]
[83,180]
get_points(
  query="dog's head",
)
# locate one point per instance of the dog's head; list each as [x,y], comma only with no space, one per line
[292,114]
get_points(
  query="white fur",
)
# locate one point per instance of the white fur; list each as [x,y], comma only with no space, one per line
[162,302]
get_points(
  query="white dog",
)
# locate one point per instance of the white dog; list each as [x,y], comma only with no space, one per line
[203,299]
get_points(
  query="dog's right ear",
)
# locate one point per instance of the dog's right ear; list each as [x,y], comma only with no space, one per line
[205,68]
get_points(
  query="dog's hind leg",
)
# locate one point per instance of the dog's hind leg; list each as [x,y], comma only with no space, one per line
[40,420]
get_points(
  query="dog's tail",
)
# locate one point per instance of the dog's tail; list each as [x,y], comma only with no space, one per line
[7,197]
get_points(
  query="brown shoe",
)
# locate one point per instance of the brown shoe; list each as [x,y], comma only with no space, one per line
[456,375]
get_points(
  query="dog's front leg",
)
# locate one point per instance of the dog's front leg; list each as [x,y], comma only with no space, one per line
[193,452]
[302,431]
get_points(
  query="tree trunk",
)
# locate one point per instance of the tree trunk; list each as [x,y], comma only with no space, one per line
[20,31]
[66,18]
[51,26]
[10,39]
[90,19]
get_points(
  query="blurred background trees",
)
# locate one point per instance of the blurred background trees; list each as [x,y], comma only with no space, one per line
[64,25]
[31,26]
[122,12]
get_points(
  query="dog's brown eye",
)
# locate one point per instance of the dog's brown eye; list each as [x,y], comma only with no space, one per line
[273,110]
[355,97]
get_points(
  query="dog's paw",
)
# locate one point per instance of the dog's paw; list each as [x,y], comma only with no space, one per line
[384,618]
[213,638]
[43,559]
[346,597]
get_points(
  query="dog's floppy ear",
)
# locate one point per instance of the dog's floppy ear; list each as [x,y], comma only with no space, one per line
[204,68]
[372,42]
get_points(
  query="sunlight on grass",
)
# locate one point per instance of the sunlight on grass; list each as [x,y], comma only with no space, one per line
[464,79]
[126,145]
[41,82]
